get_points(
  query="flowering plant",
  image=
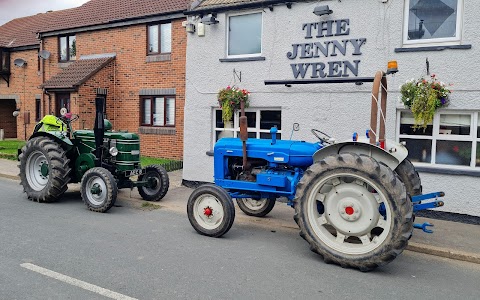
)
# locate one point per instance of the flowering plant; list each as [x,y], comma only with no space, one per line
[423,97]
[229,99]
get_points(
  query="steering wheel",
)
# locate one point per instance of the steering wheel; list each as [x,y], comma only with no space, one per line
[322,136]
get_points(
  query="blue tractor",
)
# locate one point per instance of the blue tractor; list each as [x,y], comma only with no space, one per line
[354,201]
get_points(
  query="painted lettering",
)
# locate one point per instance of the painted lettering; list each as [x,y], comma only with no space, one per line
[342,27]
[339,47]
[294,53]
[318,70]
[299,69]
[357,44]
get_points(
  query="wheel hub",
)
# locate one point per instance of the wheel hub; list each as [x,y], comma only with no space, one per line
[352,210]
[44,169]
[96,189]
[207,211]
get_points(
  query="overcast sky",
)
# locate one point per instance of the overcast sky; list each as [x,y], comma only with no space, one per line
[12,9]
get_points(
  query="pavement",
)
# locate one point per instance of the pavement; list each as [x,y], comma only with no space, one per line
[452,240]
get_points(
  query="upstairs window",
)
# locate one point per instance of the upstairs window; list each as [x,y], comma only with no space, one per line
[432,21]
[4,61]
[68,48]
[244,35]
[160,38]
[158,111]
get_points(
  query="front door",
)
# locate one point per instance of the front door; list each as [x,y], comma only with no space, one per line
[62,101]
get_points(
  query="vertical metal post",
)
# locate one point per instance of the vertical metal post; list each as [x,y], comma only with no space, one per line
[380,80]
[243,133]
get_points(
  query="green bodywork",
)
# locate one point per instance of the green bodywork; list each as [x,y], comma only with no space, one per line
[80,147]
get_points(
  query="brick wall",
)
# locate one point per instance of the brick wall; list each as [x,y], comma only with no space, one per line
[7,121]
[125,77]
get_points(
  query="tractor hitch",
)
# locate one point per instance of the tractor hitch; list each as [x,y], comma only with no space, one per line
[418,205]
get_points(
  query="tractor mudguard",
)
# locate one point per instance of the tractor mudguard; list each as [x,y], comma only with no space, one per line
[58,136]
[392,156]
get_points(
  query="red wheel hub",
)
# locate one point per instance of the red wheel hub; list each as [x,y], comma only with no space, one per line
[349,210]
[207,211]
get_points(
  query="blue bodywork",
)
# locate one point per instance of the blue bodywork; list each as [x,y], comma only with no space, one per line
[283,165]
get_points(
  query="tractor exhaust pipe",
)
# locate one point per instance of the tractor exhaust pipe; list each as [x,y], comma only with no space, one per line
[99,129]
[243,134]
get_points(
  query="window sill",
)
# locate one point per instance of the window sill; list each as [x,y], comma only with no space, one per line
[159,57]
[432,48]
[447,171]
[157,130]
[239,59]
[65,64]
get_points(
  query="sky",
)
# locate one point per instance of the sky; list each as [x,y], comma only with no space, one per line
[12,9]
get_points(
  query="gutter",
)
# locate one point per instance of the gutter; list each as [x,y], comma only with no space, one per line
[248,5]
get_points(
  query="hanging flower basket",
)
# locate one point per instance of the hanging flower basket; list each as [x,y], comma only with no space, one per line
[423,97]
[229,99]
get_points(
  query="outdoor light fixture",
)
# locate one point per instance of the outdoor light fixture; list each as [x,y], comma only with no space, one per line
[210,20]
[322,10]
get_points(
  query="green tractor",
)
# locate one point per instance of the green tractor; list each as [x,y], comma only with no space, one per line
[102,160]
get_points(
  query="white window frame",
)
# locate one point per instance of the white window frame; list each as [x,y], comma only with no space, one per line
[236,123]
[438,41]
[436,136]
[227,39]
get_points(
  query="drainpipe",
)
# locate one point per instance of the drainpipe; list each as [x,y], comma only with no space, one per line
[42,73]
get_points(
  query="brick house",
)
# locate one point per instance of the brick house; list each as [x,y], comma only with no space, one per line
[132,53]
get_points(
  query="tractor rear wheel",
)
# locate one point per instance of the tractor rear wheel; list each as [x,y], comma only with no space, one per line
[353,211]
[159,183]
[210,210]
[256,208]
[99,189]
[410,178]
[44,170]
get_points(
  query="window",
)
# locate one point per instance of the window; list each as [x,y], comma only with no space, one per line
[68,48]
[4,61]
[432,21]
[259,123]
[158,111]
[62,101]
[245,35]
[453,139]
[160,38]
[38,110]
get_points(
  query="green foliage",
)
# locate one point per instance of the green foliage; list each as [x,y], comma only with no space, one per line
[8,148]
[230,99]
[423,97]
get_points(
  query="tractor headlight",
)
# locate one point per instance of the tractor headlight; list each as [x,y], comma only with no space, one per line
[113,151]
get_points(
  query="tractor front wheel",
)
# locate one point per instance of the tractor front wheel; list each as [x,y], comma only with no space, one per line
[210,210]
[256,208]
[158,181]
[44,170]
[353,211]
[99,189]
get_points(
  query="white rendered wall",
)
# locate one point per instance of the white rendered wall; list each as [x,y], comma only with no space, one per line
[338,109]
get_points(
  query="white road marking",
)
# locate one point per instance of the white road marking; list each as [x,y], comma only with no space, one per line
[75,282]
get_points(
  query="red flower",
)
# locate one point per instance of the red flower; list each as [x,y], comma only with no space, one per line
[455,149]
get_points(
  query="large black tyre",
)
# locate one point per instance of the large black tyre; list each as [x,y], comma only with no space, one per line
[256,208]
[210,210]
[99,189]
[160,176]
[337,208]
[44,170]
[410,178]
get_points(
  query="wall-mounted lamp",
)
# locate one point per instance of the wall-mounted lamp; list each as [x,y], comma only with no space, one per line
[16,112]
[190,28]
[210,20]
[19,62]
[322,10]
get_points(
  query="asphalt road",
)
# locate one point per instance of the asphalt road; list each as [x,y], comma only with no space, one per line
[156,254]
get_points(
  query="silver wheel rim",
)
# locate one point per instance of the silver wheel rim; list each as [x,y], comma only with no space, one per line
[96,199]
[33,171]
[156,189]
[351,222]
[253,204]
[208,219]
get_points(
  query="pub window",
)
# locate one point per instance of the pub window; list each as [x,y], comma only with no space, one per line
[158,111]
[244,35]
[432,21]
[68,48]
[259,123]
[451,140]
[160,38]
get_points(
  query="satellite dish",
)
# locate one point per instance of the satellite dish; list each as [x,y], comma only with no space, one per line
[44,54]
[19,62]
[63,111]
